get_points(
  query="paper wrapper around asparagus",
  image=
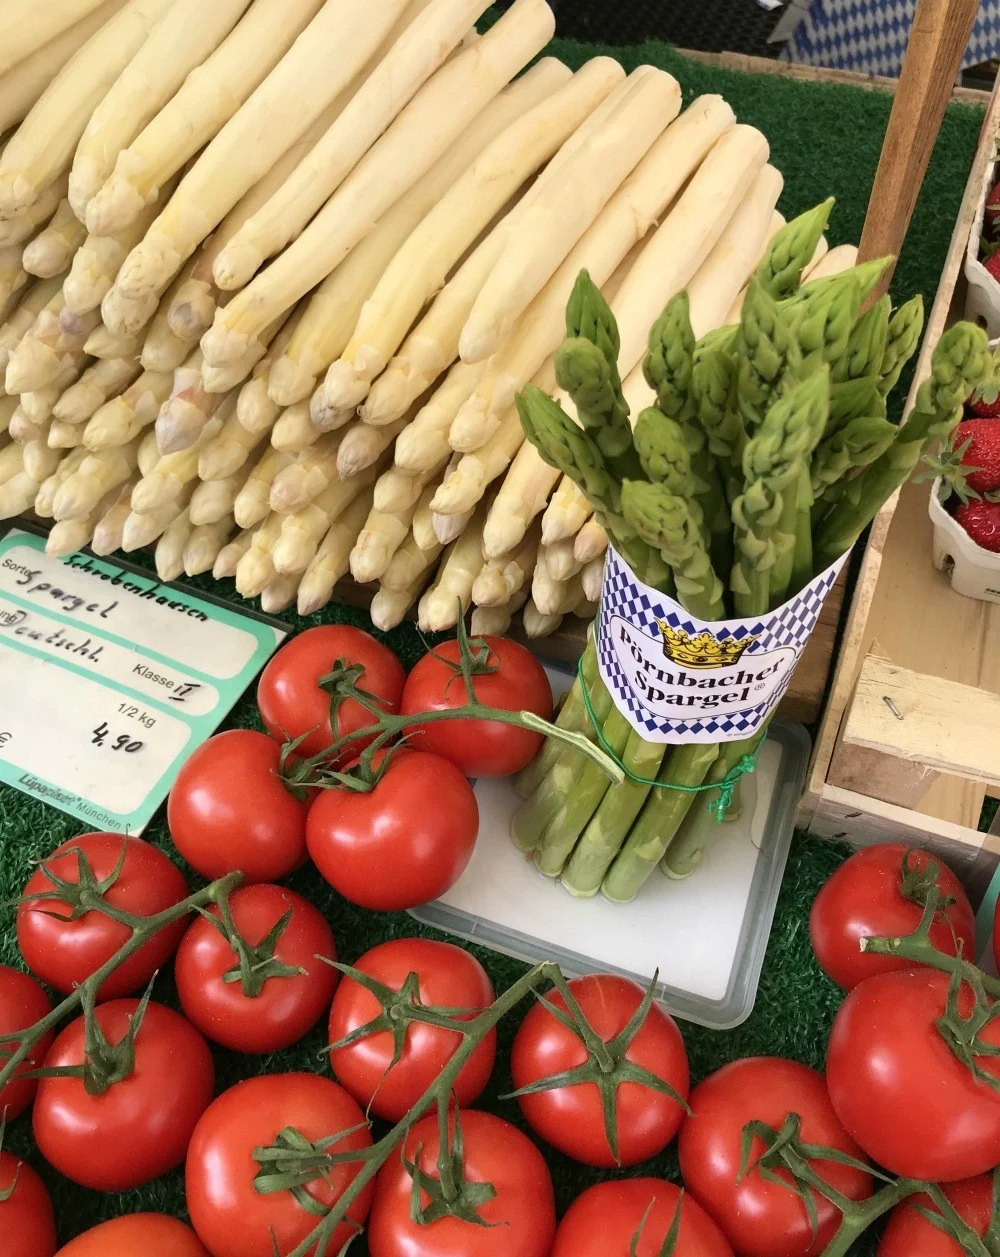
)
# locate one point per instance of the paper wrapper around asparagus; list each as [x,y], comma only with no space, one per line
[680,679]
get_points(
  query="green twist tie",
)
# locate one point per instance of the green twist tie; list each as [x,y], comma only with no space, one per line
[747,763]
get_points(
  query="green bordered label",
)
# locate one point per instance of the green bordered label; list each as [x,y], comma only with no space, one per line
[109,679]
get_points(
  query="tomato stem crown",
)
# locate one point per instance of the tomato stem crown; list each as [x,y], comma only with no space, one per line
[86,894]
[255,962]
[451,1194]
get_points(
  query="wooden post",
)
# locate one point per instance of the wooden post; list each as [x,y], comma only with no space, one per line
[938,40]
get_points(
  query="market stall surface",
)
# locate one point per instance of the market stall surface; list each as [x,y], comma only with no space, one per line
[825,139]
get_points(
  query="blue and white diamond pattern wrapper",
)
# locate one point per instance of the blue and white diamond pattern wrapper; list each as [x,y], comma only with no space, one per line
[666,701]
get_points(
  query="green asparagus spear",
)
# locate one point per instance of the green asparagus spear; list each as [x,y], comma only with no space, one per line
[772,464]
[823,318]
[668,362]
[791,250]
[865,345]
[857,444]
[713,386]
[593,384]
[672,525]
[663,454]
[572,716]
[853,399]
[902,339]
[589,315]
[768,356]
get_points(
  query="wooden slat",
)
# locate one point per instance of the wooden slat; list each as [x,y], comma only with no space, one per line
[925,720]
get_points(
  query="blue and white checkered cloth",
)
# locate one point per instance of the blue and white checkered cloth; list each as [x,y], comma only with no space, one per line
[869,36]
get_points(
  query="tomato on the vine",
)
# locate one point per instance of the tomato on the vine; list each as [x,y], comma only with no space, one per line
[447,977]
[517,1219]
[911,1234]
[292,704]
[288,988]
[898,1087]
[865,898]
[22,1004]
[404,842]
[229,811]
[235,1219]
[65,952]
[148,1234]
[762,1218]
[27,1222]
[139,1127]
[608,1217]
[572,1117]
[512,679]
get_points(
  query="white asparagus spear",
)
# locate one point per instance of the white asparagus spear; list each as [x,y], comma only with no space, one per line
[41,357]
[8,405]
[424,534]
[332,557]
[395,491]
[24,430]
[220,379]
[423,131]
[842,258]
[303,83]
[421,266]
[566,208]
[124,417]
[496,621]
[255,570]
[102,380]
[560,560]
[20,226]
[229,450]
[187,411]
[20,321]
[332,312]
[303,530]
[174,470]
[251,505]
[26,29]
[279,595]
[44,143]
[409,562]
[552,596]
[161,348]
[407,64]
[143,529]
[198,111]
[17,495]
[169,554]
[64,436]
[38,404]
[97,475]
[149,455]
[11,461]
[591,542]
[98,261]
[205,544]
[70,535]
[432,345]
[230,555]
[451,593]
[255,410]
[102,343]
[449,527]
[625,219]
[390,607]
[382,535]
[23,84]
[110,528]
[736,309]
[502,578]
[362,445]
[423,443]
[729,265]
[538,625]
[214,499]
[294,430]
[40,459]
[69,464]
[13,276]
[566,512]
[298,484]
[52,250]
[592,579]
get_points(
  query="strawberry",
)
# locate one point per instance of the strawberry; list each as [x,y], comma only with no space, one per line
[992,264]
[984,402]
[981,520]
[977,442]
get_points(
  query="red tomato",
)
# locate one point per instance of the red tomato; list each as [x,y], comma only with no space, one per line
[605,1219]
[292,704]
[448,978]
[140,1128]
[481,748]
[148,1234]
[22,1004]
[228,810]
[864,898]
[572,1118]
[884,1048]
[403,843]
[231,1217]
[758,1218]
[287,1006]
[520,1220]
[27,1222]
[65,953]
[909,1234]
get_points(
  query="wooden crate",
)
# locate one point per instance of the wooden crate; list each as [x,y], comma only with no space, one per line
[920,775]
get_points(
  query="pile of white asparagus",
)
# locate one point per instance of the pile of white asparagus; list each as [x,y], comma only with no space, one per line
[272,272]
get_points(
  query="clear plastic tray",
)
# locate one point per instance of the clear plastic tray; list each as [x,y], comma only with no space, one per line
[706,936]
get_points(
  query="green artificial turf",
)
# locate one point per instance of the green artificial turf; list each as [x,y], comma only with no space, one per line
[824,139]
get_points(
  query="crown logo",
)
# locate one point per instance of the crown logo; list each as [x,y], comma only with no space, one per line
[703,651]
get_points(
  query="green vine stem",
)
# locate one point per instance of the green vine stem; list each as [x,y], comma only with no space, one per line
[143,929]
[439,1093]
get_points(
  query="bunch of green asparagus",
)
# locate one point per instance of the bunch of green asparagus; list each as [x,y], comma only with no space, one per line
[767,455]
